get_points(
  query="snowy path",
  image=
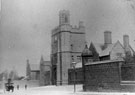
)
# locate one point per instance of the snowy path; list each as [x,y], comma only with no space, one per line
[58,90]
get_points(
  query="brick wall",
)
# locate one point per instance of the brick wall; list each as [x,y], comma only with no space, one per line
[128,72]
[78,76]
[102,76]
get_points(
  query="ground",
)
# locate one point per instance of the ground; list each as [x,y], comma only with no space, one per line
[58,90]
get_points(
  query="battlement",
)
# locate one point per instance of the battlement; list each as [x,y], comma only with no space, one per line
[64,24]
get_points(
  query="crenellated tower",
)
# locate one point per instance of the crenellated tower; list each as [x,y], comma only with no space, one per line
[67,43]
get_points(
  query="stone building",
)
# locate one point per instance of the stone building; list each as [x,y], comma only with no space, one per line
[40,72]
[45,72]
[106,74]
[32,71]
[67,43]
[108,52]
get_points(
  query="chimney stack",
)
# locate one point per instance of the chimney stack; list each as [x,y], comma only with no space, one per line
[107,38]
[126,41]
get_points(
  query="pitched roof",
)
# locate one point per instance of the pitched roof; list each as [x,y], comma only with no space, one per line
[98,47]
[107,50]
[131,49]
[86,51]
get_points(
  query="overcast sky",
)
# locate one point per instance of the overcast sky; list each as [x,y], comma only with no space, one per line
[25,26]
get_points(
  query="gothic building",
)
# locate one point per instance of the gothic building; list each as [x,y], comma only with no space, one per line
[109,50]
[32,71]
[40,72]
[45,72]
[108,53]
[67,43]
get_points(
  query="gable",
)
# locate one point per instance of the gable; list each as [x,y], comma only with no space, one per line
[117,51]
[107,50]
[96,47]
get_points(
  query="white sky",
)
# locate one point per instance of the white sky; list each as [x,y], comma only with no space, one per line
[25,26]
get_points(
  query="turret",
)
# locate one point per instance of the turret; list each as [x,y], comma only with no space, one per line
[64,17]
[86,51]
[41,60]
[86,55]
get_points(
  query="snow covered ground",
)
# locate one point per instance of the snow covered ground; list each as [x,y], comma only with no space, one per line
[58,90]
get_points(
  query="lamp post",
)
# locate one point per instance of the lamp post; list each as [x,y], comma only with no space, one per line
[73,65]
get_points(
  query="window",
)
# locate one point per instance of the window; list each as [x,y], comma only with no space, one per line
[72,58]
[66,19]
[90,60]
[79,58]
[119,54]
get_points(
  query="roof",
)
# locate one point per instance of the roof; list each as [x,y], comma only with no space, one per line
[86,51]
[78,65]
[47,62]
[107,50]
[34,67]
[98,47]
[131,49]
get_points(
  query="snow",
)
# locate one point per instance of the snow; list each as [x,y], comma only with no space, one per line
[59,90]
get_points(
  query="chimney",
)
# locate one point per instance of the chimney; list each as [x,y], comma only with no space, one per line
[126,41]
[107,38]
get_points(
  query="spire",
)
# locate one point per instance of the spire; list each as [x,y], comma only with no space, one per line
[42,59]
[28,69]
[27,61]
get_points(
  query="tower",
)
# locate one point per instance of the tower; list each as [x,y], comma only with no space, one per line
[28,69]
[64,17]
[67,43]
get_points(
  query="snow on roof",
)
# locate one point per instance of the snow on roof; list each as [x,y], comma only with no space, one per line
[98,47]
[78,65]
[34,67]
[107,50]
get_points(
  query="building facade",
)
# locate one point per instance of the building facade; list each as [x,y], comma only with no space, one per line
[32,71]
[101,53]
[67,43]
[45,72]
[107,50]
